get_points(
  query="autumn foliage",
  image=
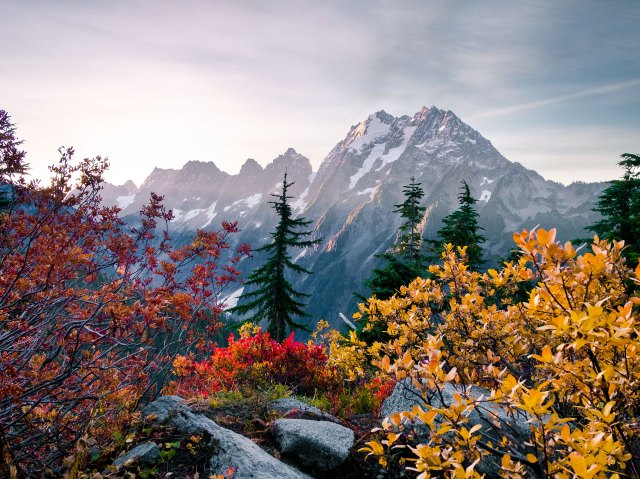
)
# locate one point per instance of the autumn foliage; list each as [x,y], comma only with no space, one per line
[565,362]
[256,360]
[92,314]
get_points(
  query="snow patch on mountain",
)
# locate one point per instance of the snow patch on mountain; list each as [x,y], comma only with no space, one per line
[124,201]
[300,255]
[299,204]
[232,300]
[366,132]
[189,215]
[177,215]
[251,201]
[485,196]
[445,122]
[181,216]
[368,163]
[369,191]
[486,181]
[211,213]
[377,153]
[394,153]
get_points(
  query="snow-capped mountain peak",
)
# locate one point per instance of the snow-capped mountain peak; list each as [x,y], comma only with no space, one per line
[354,192]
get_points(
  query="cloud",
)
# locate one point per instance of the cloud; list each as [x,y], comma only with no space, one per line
[218,80]
[532,105]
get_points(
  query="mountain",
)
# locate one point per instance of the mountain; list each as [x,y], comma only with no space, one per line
[351,198]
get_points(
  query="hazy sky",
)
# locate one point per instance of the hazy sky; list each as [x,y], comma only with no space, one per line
[555,85]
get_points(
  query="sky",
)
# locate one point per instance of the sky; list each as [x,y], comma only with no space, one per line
[153,83]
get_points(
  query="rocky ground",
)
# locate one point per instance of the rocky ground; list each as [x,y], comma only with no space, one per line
[196,440]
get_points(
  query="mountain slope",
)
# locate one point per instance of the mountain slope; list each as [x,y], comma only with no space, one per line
[351,197]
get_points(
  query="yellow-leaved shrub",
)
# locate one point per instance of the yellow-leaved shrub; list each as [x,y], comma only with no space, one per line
[551,340]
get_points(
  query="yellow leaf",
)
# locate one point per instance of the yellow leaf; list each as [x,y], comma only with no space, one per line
[385,364]
[427,417]
[547,356]
[374,448]
[391,438]
[451,375]
[407,360]
[531,458]
[545,237]
[475,428]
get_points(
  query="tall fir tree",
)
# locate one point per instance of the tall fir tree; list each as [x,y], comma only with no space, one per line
[274,299]
[619,205]
[409,245]
[12,161]
[461,228]
[405,261]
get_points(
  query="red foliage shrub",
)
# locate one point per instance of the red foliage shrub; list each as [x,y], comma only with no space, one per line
[255,360]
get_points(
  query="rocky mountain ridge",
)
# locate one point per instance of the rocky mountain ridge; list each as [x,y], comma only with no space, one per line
[351,197]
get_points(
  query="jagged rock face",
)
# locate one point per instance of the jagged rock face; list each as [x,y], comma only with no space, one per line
[351,198]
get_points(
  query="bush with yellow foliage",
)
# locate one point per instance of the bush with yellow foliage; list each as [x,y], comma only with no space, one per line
[566,361]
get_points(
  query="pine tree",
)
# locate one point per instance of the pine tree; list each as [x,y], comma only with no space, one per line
[619,205]
[409,244]
[275,300]
[461,228]
[11,159]
[405,261]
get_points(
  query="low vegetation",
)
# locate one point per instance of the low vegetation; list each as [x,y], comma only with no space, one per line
[98,317]
[566,361]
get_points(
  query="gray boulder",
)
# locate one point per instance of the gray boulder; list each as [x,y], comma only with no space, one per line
[146,454]
[319,445]
[300,410]
[230,449]
[493,416]
[496,422]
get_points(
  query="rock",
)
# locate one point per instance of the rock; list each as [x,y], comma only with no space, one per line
[163,407]
[316,444]
[146,454]
[297,409]
[404,396]
[494,418]
[230,449]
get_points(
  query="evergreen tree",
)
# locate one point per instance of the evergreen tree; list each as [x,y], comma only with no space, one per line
[275,300]
[11,159]
[409,244]
[619,205]
[461,228]
[405,261]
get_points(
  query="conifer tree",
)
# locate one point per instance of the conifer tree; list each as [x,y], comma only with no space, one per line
[405,261]
[11,159]
[461,228]
[409,244]
[275,300]
[619,205]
